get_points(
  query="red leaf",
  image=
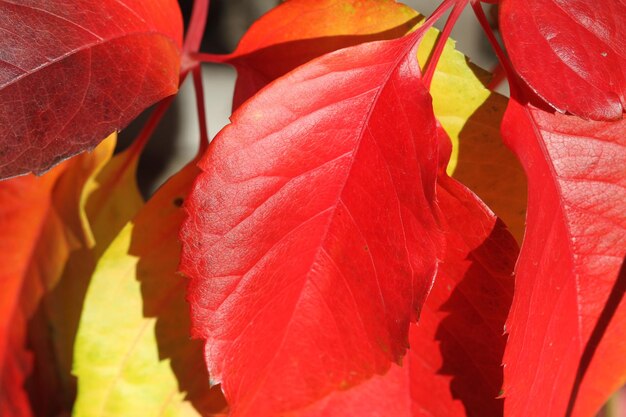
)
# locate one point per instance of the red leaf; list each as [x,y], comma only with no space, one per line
[571,53]
[453,366]
[73,72]
[311,241]
[603,363]
[457,346]
[573,249]
[298,31]
[382,395]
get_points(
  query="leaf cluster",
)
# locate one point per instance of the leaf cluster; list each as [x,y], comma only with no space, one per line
[376,232]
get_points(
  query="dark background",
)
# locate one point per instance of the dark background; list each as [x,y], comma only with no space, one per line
[228,20]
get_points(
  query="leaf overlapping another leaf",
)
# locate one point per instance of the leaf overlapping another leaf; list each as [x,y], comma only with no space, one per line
[453,367]
[298,31]
[42,227]
[312,214]
[318,223]
[73,232]
[132,353]
[479,132]
[108,198]
[25,208]
[468,111]
[471,115]
[457,346]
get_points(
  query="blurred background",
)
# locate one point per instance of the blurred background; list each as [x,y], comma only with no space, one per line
[175,142]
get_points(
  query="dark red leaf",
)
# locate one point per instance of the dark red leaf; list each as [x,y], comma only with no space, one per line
[574,247]
[311,241]
[571,53]
[299,30]
[73,72]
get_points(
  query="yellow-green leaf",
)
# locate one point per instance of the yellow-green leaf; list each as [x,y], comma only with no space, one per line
[111,198]
[105,197]
[133,355]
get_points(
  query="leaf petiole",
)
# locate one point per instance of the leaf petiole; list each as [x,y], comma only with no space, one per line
[505,64]
[199,89]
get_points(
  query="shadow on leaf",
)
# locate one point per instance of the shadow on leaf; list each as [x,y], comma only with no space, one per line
[257,68]
[155,243]
[471,335]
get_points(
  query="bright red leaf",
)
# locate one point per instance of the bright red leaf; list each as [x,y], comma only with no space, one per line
[603,363]
[574,247]
[297,31]
[311,241]
[73,72]
[458,344]
[453,368]
[570,52]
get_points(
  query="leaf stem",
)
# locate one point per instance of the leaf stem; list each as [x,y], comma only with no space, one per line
[190,63]
[211,58]
[498,75]
[197,24]
[199,89]
[459,5]
[509,73]
[443,7]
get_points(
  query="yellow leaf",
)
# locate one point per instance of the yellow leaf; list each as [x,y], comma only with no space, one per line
[104,201]
[133,355]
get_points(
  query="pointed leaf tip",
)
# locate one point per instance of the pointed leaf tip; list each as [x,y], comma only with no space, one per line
[311,241]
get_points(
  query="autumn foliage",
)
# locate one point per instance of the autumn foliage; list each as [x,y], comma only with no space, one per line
[375,234]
